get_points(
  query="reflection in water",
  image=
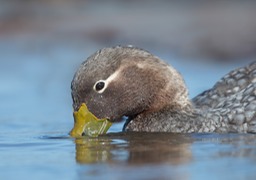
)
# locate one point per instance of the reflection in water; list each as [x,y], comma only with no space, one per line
[134,148]
[231,145]
[92,150]
[158,148]
[167,156]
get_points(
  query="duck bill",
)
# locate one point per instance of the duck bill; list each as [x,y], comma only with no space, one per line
[88,124]
[81,118]
[78,128]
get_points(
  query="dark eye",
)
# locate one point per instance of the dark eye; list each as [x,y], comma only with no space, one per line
[99,86]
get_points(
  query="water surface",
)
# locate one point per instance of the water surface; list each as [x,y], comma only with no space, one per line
[36,116]
[128,156]
[41,46]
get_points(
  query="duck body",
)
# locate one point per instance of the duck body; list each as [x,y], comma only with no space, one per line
[127,81]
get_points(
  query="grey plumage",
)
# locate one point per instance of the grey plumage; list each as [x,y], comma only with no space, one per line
[154,97]
[232,100]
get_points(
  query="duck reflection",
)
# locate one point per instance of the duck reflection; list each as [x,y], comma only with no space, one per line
[92,150]
[134,148]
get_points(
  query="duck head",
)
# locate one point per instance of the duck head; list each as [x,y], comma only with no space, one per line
[127,81]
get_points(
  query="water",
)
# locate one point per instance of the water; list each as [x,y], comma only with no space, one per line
[36,67]
[128,156]
[36,116]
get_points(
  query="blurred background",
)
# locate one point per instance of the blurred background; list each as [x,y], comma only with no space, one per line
[43,42]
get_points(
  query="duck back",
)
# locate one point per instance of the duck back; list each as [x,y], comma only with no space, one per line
[231,103]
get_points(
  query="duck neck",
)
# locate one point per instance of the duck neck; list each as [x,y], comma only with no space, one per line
[185,120]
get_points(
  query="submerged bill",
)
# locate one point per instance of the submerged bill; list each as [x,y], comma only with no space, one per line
[85,123]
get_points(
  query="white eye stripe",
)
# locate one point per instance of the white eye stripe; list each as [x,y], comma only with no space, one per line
[106,82]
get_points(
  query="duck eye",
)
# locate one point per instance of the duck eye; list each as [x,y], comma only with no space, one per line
[99,86]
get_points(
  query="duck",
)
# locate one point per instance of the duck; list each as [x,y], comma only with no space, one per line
[126,81]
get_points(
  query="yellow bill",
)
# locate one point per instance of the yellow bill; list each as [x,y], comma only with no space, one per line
[88,124]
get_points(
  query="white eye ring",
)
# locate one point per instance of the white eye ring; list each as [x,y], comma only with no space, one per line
[100,86]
